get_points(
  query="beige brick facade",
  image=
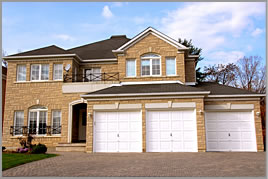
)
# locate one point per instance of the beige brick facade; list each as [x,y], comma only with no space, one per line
[20,96]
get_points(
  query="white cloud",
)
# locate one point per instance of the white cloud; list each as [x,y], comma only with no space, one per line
[64,37]
[211,24]
[256,32]
[224,57]
[106,12]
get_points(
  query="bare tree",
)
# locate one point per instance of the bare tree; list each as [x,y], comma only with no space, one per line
[222,74]
[251,75]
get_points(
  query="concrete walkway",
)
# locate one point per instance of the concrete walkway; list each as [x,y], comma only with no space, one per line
[145,164]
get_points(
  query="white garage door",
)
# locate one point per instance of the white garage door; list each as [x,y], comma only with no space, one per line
[230,131]
[171,131]
[117,132]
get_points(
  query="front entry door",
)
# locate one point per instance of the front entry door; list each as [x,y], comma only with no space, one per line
[82,125]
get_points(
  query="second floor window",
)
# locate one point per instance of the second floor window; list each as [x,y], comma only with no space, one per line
[21,73]
[170,66]
[150,65]
[39,72]
[57,72]
[131,68]
[93,74]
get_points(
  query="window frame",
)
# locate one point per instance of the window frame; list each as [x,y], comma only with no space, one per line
[175,66]
[52,117]
[54,72]
[40,72]
[18,72]
[15,120]
[38,110]
[151,64]
[135,66]
[90,80]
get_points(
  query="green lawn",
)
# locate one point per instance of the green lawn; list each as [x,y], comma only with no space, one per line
[10,160]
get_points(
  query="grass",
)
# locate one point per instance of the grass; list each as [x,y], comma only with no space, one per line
[10,160]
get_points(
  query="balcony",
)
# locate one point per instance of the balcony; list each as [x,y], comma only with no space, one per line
[91,77]
[86,83]
[25,130]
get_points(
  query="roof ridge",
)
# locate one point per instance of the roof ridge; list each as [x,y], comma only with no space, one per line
[93,43]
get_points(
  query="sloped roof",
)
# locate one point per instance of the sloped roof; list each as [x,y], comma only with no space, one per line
[218,89]
[147,88]
[100,50]
[49,50]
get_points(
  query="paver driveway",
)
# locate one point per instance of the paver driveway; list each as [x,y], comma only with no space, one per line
[145,164]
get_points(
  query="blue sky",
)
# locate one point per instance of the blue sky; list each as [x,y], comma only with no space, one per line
[226,31]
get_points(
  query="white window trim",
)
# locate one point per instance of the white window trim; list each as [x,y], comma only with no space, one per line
[174,67]
[18,73]
[40,72]
[151,65]
[53,119]
[54,72]
[37,120]
[135,67]
[84,70]
[15,119]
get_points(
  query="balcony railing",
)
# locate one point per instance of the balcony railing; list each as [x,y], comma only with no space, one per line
[91,77]
[24,130]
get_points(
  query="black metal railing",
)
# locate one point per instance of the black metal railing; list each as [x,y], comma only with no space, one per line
[91,77]
[25,130]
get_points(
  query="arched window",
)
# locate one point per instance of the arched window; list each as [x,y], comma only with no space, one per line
[150,64]
[37,123]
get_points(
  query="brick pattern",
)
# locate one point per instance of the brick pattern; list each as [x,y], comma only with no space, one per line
[23,95]
[190,71]
[152,44]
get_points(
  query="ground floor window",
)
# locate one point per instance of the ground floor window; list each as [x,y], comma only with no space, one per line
[38,121]
[56,122]
[18,122]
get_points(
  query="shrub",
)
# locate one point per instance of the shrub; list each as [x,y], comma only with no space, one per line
[39,149]
[3,148]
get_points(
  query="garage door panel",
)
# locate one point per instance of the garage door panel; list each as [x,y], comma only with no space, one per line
[188,135]
[223,145]
[177,125]
[164,115]
[235,135]
[165,146]
[235,131]
[188,125]
[111,126]
[170,130]
[212,135]
[123,126]
[177,146]
[119,132]
[190,146]
[247,136]
[101,136]
[165,135]
[112,136]
[177,135]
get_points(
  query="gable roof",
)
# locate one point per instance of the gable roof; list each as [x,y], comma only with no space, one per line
[49,50]
[155,32]
[100,50]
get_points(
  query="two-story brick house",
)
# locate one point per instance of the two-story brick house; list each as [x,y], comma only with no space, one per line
[126,95]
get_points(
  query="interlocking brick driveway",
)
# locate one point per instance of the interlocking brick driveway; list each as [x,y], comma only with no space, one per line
[145,164]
